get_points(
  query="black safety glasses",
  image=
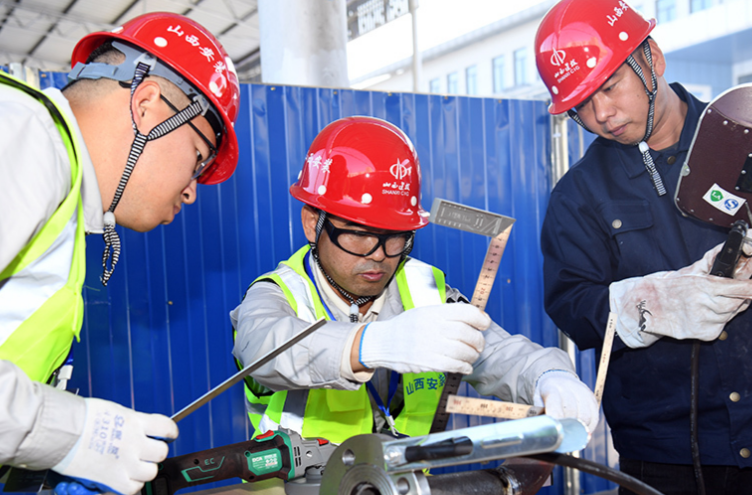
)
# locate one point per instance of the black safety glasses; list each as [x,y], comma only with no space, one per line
[361,243]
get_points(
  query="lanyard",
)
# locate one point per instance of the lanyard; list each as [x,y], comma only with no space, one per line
[394,380]
[309,271]
[393,383]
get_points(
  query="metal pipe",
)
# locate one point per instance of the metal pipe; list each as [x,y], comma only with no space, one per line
[559,147]
[417,58]
[559,167]
[490,441]
[483,482]
[525,476]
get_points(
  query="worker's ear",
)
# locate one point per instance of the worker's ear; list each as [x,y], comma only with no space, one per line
[659,61]
[309,216]
[145,105]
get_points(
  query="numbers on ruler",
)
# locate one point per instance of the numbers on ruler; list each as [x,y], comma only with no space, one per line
[492,408]
[487,274]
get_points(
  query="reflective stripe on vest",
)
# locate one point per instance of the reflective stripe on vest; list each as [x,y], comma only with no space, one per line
[41,306]
[340,414]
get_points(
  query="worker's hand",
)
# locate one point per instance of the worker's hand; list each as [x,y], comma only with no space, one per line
[742,271]
[443,338]
[117,451]
[683,304]
[563,395]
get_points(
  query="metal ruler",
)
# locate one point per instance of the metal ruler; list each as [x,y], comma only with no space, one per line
[248,370]
[492,408]
[490,267]
[496,226]
[608,341]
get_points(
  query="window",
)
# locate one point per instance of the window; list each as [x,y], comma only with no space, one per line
[498,74]
[471,80]
[520,67]
[665,10]
[698,5]
[435,85]
[453,83]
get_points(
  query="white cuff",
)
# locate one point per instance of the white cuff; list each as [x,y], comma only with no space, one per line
[345,368]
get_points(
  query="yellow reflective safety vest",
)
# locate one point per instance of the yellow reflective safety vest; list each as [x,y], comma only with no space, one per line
[340,414]
[40,290]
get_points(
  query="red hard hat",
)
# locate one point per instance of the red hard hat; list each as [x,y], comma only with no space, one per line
[365,170]
[581,43]
[194,53]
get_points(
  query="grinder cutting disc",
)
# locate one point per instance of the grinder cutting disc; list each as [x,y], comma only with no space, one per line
[716,180]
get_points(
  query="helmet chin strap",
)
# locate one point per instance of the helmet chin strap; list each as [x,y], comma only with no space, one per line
[111,238]
[355,301]
[643,145]
[647,159]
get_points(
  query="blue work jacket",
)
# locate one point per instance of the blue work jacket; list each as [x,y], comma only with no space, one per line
[605,223]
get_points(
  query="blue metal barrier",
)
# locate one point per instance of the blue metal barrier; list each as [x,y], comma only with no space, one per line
[159,335]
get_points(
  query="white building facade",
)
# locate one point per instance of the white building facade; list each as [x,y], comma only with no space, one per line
[707,43]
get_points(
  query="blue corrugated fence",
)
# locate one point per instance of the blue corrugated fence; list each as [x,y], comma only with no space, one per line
[159,336]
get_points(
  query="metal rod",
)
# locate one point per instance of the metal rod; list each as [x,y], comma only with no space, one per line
[492,441]
[247,370]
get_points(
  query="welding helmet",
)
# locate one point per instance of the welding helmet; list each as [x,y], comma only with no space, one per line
[365,170]
[187,55]
[715,184]
[581,43]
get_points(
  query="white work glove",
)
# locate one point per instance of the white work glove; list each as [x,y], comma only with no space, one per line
[443,338]
[117,451]
[742,271]
[563,395]
[683,304]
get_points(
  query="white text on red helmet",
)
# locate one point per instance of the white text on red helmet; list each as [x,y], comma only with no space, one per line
[569,68]
[618,11]
[193,40]
[396,188]
[315,161]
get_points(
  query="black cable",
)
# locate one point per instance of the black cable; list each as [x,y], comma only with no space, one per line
[599,470]
[694,380]
[723,266]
